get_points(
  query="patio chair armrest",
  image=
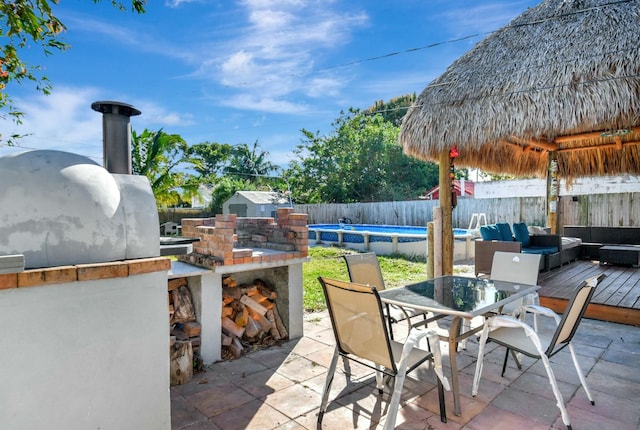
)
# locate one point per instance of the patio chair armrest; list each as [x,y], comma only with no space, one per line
[537,310]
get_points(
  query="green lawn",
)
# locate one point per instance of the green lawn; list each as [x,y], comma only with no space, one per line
[327,261]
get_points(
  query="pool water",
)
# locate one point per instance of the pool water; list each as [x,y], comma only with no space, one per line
[385,232]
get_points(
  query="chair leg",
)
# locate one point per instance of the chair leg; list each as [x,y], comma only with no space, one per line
[478,373]
[583,380]
[506,358]
[443,406]
[379,379]
[556,392]
[394,403]
[327,385]
[516,357]
[504,364]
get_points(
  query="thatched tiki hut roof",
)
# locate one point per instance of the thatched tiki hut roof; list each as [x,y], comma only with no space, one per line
[561,81]
[562,77]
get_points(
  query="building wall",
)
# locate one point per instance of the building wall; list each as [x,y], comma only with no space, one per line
[538,187]
[90,354]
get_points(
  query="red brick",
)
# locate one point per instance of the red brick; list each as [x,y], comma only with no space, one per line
[8,280]
[299,228]
[298,217]
[225,224]
[244,252]
[228,217]
[283,212]
[148,265]
[205,229]
[30,278]
[89,272]
[60,274]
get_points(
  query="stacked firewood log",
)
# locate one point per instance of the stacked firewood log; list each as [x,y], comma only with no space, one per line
[185,331]
[250,317]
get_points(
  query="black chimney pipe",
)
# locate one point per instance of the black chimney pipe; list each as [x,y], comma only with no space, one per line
[116,134]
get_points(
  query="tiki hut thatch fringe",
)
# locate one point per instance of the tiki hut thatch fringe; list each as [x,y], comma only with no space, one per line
[557,90]
[562,77]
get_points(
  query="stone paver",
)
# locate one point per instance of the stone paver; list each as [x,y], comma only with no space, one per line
[280,388]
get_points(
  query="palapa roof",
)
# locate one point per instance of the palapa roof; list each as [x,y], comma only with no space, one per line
[563,76]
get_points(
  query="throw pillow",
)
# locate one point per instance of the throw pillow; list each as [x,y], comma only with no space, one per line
[534,229]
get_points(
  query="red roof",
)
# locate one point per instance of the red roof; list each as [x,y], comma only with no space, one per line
[434,193]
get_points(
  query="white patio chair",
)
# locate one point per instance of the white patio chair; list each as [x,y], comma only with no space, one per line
[511,267]
[361,335]
[516,335]
[520,268]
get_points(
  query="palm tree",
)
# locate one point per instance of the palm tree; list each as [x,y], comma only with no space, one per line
[250,163]
[157,155]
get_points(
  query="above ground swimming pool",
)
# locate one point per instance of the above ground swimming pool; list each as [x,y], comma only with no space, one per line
[386,239]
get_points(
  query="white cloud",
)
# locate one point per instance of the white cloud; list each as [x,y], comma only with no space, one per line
[155,116]
[325,87]
[277,52]
[483,18]
[178,3]
[264,104]
[65,121]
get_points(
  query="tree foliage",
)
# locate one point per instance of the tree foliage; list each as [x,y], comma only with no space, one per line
[393,110]
[224,188]
[212,156]
[250,163]
[157,156]
[23,25]
[360,161]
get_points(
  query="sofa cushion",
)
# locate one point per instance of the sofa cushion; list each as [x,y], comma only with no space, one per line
[505,231]
[521,232]
[540,250]
[490,232]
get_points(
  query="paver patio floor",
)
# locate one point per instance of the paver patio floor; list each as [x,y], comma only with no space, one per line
[280,388]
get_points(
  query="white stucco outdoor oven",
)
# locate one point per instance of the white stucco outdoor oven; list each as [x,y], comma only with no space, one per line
[82,290]
[245,249]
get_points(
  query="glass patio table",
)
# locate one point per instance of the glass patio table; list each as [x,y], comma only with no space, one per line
[460,297]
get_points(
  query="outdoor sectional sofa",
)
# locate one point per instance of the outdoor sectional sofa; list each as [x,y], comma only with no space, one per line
[594,238]
[500,237]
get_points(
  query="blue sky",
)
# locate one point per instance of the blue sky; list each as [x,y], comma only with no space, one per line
[240,71]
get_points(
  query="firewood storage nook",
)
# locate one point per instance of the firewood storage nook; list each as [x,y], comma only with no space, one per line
[243,281]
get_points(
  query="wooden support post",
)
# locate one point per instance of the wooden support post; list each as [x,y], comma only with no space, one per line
[437,241]
[446,202]
[430,245]
[553,189]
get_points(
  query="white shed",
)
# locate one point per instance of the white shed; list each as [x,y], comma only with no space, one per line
[255,203]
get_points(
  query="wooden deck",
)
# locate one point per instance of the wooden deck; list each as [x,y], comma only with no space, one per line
[617,297]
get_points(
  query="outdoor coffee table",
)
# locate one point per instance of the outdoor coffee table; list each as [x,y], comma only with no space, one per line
[460,297]
[620,254]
